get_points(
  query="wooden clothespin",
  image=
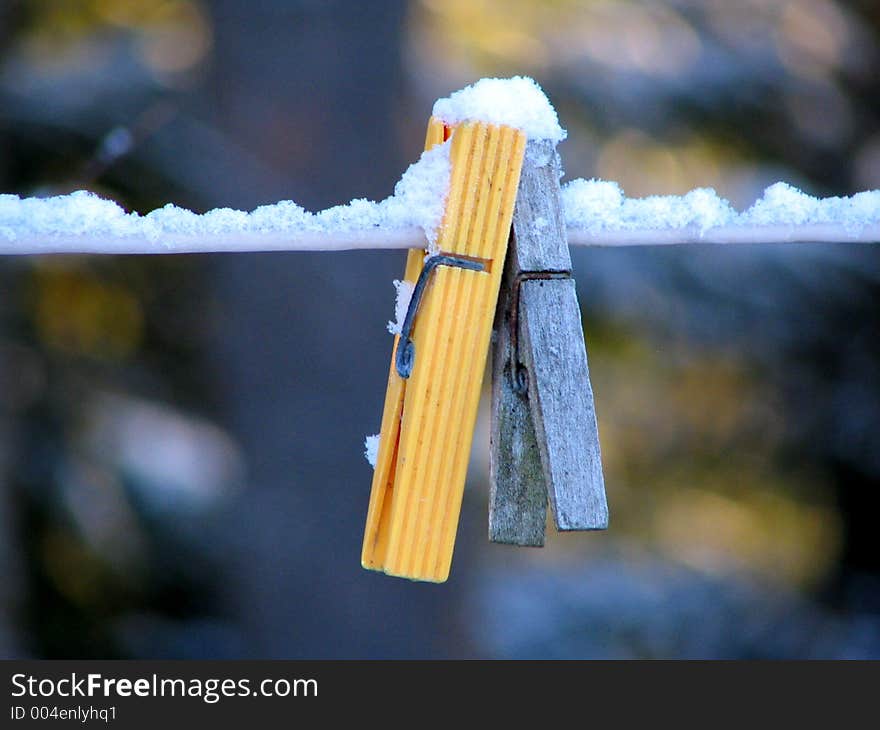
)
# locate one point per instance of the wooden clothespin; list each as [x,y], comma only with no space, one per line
[544,439]
[439,358]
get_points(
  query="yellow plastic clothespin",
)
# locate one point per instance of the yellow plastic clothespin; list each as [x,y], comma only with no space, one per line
[439,359]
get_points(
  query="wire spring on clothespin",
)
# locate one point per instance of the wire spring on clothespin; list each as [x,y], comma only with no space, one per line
[404,358]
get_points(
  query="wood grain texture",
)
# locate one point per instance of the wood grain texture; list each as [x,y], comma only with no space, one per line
[544,442]
[561,399]
[517,489]
[538,218]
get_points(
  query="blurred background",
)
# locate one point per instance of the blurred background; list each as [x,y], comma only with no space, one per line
[181,470]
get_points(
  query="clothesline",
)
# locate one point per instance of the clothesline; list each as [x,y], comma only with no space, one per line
[254,241]
[596,212]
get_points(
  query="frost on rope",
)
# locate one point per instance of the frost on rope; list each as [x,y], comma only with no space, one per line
[517,102]
[600,206]
[418,201]
[371,449]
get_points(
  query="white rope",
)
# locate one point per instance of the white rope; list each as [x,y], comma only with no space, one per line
[214,243]
[30,244]
[724,235]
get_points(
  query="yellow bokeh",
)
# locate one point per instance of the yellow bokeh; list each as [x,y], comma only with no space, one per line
[76,312]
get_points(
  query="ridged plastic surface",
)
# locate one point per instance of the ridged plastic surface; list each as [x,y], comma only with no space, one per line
[428,419]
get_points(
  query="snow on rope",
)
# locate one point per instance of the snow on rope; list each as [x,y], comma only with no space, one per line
[597,212]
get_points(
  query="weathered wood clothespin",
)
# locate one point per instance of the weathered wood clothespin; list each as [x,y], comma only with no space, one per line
[544,438]
[439,358]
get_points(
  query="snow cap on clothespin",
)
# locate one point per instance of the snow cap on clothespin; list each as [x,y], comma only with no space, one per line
[516,102]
